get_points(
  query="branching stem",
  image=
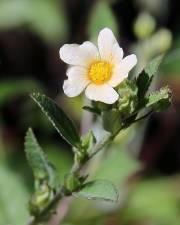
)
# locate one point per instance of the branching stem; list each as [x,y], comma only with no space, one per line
[77,169]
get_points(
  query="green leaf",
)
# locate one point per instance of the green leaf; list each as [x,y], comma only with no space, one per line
[153,66]
[111,121]
[159,100]
[58,118]
[145,77]
[46,179]
[92,110]
[71,182]
[41,167]
[100,106]
[88,141]
[98,190]
[127,97]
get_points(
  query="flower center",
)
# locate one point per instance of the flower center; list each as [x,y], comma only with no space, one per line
[100,72]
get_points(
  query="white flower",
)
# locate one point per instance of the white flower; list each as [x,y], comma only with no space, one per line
[97,70]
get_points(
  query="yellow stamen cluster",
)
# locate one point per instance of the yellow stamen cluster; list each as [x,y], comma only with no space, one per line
[100,72]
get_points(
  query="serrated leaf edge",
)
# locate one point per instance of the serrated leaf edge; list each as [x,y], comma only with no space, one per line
[30,132]
[33,96]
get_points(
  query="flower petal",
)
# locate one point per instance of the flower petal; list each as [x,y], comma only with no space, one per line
[128,62]
[75,71]
[108,46]
[103,93]
[77,81]
[119,74]
[117,53]
[82,55]
[121,70]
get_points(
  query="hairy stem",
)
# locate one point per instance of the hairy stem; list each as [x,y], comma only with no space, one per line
[77,169]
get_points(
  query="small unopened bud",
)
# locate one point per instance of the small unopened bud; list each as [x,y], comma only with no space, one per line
[40,199]
[144,25]
[71,182]
[162,40]
[128,97]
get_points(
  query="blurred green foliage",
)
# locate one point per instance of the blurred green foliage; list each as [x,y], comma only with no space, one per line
[156,201]
[13,197]
[44,17]
[101,16]
[11,88]
[170,65]
[153,200]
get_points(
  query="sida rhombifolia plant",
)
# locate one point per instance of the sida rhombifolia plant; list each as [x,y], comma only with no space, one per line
[103,73]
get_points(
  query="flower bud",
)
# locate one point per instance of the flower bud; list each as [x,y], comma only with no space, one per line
[162,40]
[40,199]
[128,97]
[71,182]
[144,25]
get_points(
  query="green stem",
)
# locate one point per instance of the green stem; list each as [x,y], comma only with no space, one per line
[102,143]
[77,169]
[143,117]
[98,147]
